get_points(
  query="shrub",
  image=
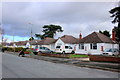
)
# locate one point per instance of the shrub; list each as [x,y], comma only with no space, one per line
[13,49]
[28,51]
[18,49]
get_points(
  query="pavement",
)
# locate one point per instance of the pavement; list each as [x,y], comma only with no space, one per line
[83,62]
[23,67]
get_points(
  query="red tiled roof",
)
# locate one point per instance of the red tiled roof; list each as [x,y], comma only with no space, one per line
[21,43]
[96,37]
[34,42]
[69,39]
[46,41]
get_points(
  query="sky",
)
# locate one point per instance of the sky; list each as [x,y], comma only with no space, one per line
[73,17]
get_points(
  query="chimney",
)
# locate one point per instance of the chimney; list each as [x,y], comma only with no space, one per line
[113,34]
[80,36]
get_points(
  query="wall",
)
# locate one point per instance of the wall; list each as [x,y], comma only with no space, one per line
[48,46]
[94,51]
[28,44]
[59,42]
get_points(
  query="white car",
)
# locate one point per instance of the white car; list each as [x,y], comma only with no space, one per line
[111,51]
[64,49]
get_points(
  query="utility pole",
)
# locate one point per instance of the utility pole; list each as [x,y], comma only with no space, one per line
[1,33]
[31,32]
[13,43]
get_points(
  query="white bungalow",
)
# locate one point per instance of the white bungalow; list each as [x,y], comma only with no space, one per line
[67,40]
[47,42]
[32,44]
[95,43]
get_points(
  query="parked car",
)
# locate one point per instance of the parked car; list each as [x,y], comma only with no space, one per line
[111,51]
[42,50]
[64,49]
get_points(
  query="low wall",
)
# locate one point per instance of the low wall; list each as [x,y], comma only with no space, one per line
[104,58]
[55,55]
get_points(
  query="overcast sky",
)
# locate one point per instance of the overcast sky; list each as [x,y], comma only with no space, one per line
[73,17]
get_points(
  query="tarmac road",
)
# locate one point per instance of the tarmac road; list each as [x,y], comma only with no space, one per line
[21,67]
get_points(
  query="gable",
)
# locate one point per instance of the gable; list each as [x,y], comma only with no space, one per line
[59,42]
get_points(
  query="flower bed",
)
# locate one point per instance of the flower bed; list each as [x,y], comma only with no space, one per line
[104,58]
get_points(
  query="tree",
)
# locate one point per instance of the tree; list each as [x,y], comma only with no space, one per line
[117,33]
[31,38]
[105,33]
[39,36]
[116,15]
[50,31]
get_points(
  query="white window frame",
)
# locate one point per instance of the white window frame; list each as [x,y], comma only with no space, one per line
[81,46]
[93,46]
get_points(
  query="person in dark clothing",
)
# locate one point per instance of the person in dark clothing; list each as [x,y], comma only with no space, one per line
[21,53]
[3,50]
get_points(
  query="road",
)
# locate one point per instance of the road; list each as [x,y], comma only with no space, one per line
[21,67]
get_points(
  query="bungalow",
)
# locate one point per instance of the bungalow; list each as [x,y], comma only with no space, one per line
[47,42]
[21,44]
[67,40]
[32,44]
[95,43]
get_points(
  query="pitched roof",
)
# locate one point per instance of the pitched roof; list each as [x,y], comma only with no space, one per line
[69,39]
[34,42]
[46,41]
[21,43]
[96,37]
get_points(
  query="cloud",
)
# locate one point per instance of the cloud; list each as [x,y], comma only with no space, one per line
[72,16]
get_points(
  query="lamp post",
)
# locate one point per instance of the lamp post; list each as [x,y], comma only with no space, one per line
[13,42]
[1,33]
[31,29]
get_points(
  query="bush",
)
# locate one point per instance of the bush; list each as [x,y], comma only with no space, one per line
[13,49]
[9,49]
[18,49]
[28,51]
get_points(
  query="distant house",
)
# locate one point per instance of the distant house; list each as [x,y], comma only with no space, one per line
[32,44]
[11,44]
[67,40]
[95,43]
[21,44]
[6,44]
[47,42]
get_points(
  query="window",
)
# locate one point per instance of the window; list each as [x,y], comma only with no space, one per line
[52,47]
[93,46]
[36,47]
[70,47]
[66,47]
[40,47]
[58,47]
[46,48]
[81,46]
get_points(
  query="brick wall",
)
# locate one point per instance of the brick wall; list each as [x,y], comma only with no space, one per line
[104,58]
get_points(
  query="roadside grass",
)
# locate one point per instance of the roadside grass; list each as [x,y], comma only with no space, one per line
[78,56]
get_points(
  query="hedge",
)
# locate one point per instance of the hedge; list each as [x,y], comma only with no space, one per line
[17,49]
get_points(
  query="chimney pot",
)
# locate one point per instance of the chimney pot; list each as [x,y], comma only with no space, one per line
[80,36]
[113,34]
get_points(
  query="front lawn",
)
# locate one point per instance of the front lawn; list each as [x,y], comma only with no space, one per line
[78,56]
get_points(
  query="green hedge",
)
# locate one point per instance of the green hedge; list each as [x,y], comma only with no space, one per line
[13,49]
